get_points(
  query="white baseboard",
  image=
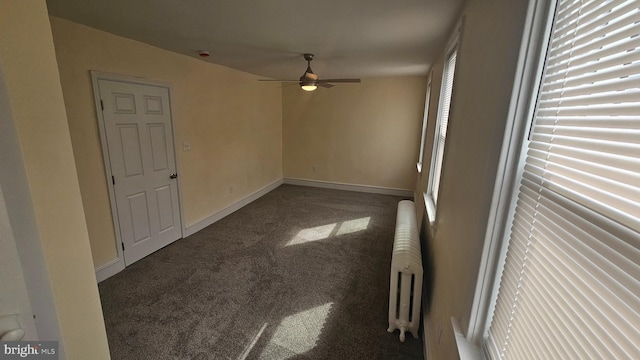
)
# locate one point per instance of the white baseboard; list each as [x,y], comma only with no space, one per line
[115,266]
[350,187]
[199,225]
[109,269]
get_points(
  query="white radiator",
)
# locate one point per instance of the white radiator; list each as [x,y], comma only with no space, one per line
[406,273]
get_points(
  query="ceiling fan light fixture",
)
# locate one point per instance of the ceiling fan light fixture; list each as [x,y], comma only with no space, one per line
[308,83]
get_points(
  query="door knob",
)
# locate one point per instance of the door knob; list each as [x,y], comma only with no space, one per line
[173,176]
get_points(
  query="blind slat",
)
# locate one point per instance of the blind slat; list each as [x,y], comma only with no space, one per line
[567,16]
[600,87]
[624,122]
[613,162]
[595,110]
[605,146]
[589,304]
[579,76]
[541,292]
[632,96]
[604,22]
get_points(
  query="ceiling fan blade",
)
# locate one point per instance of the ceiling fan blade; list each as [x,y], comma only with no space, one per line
[279,80]
[339,81]
[325,85]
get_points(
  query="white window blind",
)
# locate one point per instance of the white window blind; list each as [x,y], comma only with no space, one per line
[443,120]
[570,287]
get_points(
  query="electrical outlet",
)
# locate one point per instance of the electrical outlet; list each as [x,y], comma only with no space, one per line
[314,169]
[230,189]
[186,146]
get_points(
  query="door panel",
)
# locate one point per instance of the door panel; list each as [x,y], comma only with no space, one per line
[153,105]
[163,196]
[158,146]
[140,144]
[139,215]
[130,150]
[124,103]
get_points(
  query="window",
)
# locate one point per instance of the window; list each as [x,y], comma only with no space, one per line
[570,286]
[424,124]
[441,126]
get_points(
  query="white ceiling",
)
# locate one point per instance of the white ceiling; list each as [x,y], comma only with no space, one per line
[350,38]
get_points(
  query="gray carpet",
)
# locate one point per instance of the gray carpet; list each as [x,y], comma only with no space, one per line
[301,273]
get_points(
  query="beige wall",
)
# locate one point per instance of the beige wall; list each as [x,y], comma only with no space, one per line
[32,84]
[483,83]
[233,123]
[365,134]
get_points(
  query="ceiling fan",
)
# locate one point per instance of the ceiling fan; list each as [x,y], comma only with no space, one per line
[309,81]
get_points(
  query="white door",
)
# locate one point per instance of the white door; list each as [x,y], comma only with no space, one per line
[137,122]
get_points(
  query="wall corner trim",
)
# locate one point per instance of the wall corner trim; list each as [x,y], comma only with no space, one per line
[350,187]
[201,224]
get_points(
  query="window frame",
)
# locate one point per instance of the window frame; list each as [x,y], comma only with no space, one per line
[531,57]
[529,74]
[425,121]
[429,200]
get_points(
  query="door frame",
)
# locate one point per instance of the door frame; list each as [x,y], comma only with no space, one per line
[118,264]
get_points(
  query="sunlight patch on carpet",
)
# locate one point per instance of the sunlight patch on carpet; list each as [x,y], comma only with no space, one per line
[298,333]
[326,231]
[351,226]
[312,234]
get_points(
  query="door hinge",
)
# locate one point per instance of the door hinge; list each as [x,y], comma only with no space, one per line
[113,179]
[122,243]
[101,105]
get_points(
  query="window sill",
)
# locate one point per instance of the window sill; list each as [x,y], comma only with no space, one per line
[430,209]
[466,349]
